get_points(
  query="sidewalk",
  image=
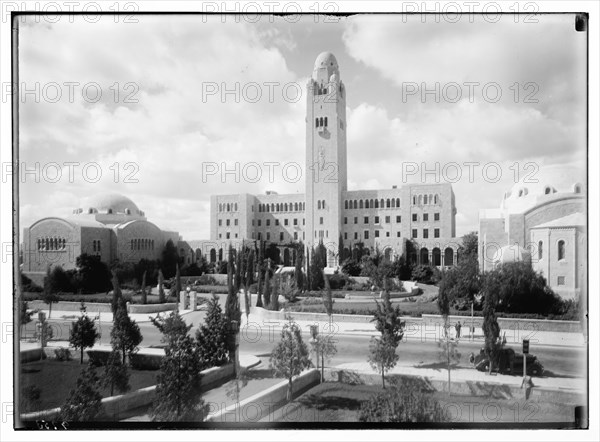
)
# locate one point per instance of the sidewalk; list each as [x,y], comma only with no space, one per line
[107,317]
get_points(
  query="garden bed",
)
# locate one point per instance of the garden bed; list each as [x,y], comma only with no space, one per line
[55,379]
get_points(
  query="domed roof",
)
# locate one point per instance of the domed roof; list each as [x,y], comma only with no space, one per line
[114,202]
[545,183]
[326,59]
[512,253]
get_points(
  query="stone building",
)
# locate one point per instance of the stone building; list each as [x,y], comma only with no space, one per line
[328,211]
[541,220]
[110,226]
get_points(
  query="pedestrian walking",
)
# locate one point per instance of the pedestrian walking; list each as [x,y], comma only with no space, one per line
[458,327]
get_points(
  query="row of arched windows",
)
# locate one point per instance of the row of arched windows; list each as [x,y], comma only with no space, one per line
[142,244]
[96,245]
[373,204]
[47,244]
[321,122]
[228,207]
[281,207]
[419,200]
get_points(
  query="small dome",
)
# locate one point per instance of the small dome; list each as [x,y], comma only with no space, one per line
[110,203]
[512,253]
[326,59]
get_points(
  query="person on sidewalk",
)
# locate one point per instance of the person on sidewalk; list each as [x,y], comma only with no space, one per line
[458,327]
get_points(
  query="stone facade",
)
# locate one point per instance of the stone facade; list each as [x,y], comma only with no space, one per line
[110,226]
[541,216]
[328,211]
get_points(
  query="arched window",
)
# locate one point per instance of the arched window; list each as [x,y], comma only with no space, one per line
[371,203]
[360,204]
[398,202]
[325,121]
[435,199]
[355,204]
[236,207]
[346,204]
[382,203]
[316,122]
[131,244]
[366,204]
[425,199]
[577,188]
[272,207]
[540,250]
[377,204]
[420,200]
[228,207]
[561,250]
[321,121]
[319,205]
[387,203]
[110,211]
[296,206]
[414,200]
[277,207]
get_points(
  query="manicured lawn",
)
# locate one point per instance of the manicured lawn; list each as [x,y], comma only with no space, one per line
[55,379]
[312,305]
[337,402]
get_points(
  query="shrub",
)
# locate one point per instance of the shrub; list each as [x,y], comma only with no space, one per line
[98,358]
[339,281]
[62,354]
[207,280]
[145,362]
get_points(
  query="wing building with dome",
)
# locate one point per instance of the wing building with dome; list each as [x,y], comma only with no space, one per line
[110,226]
[541,220]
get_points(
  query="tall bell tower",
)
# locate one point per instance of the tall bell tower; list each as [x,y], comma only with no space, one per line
[326,171]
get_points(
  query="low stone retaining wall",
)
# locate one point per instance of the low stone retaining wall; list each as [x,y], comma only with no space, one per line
[508,325]
[151,308]
[259,406]
[119,407]
[68,306]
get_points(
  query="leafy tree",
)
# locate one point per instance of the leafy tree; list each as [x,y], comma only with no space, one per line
[520,289]
[328,298]
[144,295]
[491,329]
[298,270]
[170,259]
[93,273]
[308,270]
[83,333]
[161,289]
[84,402]
[382,350]
[24,315]
[249,266]
[351,267]
[232,307]
[290,356]
[404,402]
[423,274]
[115,374]
[212,336]
[324,347]
[178,388]
[172,326]
[52,281]
[276,283]
[125,334]
[318,263]
[449,347]
[117,295]
[148,267]
[176,288]
[267,285]
[260,275]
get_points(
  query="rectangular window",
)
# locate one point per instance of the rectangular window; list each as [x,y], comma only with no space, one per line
[303,235]
[366,220]
[345,220]
[303,221]
[259,236]
[436,216]
[414,233]
[561,280]
[268,236]
[387,219]
[227,222]
[285,222]
[295,235]
[321,220]
[387,234]
[268,222]
[356,220]
[415,217]
[235,222]
[259,222]
[376,233]
[355,235]
[295,221]
[367,234]
[236,235]
[398,234]
[252,223]
[228,235]
[276,222]
[221,236]
[253,235]
[345,235]
[398,218]
[280,236]
[220,222]
[425,233]
[376,220]
[436,233]
[426,217]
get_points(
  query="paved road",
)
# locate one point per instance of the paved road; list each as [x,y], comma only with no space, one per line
[558,361]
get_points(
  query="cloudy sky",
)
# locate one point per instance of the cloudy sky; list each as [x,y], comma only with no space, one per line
[508,96]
